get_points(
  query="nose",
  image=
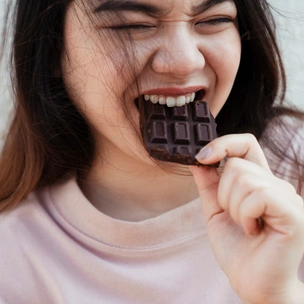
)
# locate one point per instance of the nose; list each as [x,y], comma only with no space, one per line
[178,53]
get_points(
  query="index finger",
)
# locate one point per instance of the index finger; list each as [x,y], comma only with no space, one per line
[243,146]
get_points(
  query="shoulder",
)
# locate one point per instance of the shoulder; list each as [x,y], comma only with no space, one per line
[15,219]
[283,145]
[27,234]
[33,216]
[285,139]
[35,208]
[17,238]
[18,219]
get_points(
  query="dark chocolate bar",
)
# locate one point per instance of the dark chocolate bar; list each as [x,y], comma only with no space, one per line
[177,134]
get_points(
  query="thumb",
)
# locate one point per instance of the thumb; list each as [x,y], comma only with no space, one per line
[207,180]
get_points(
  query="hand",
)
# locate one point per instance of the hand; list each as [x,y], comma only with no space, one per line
[255,221]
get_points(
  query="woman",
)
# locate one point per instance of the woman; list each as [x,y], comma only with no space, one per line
[88,217]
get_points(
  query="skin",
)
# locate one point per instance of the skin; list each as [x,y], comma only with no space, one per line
[260,262]
[174,52]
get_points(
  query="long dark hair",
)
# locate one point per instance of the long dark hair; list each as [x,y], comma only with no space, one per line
[49,137]
[261,78]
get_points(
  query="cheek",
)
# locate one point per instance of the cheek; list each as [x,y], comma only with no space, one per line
[224,59]
[225,56]
[97,89]
[92,79]
[94,63]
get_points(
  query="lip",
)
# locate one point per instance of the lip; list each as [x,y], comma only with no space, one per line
[174,91]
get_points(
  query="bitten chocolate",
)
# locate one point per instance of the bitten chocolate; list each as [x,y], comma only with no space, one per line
[177,134]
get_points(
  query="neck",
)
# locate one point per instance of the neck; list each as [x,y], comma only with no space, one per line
[126,191]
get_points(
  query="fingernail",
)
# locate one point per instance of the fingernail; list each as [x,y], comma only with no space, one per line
[204,153]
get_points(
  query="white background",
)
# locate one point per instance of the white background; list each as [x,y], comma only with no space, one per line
[291,36]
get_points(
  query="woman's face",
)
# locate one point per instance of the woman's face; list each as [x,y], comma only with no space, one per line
[165,51]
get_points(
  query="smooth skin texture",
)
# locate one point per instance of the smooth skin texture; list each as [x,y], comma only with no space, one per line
[177,51]
[258,218]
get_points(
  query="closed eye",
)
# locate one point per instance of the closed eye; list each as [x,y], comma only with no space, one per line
[216,21]
[127,27]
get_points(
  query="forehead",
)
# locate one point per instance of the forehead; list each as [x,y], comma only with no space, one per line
[156,7]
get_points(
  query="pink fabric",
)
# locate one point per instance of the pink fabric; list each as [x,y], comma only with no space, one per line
[57,248]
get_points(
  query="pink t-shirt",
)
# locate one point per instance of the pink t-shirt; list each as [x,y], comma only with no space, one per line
[56,247]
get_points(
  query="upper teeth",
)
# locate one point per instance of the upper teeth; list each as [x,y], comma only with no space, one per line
[171,101]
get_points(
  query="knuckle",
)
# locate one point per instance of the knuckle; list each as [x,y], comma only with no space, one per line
[299,201]
[250,138]
[266,192]
[286,185]
[245,180]
[297,223]
[291,188]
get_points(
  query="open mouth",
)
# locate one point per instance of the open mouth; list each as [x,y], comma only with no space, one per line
[171,101]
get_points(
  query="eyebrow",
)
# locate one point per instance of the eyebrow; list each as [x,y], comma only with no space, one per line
[131,5]
[128,5]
